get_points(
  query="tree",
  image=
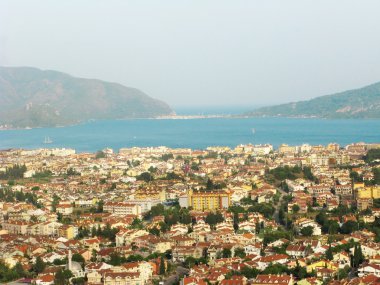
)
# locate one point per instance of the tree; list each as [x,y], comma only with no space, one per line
[78,258]
[299,271]
[249,272]
[167,156]
[99,207]
[145,176]
[239,252]
[329,253]
[62,277]
[162,266]
[19,269]
[226,253]
[78,281]
[100,154]
[137,224]
[349,227]
[172,176]
[115,259]
[94,255]
[72,172]
[372,154]
[157,210]
[39,266]
[295,208]
[214,218]
[154,231]
[189,262]
[333,227]
[14,172]
[307,231]
[358,255]
[209,184]
[134,258]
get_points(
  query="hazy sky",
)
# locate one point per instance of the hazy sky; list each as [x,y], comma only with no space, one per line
[201,52]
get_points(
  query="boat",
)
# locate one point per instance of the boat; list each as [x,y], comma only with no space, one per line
[253,130]
[47,140]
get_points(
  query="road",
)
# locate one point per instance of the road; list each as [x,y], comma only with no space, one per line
[16,282]
[278,205]
[180,271]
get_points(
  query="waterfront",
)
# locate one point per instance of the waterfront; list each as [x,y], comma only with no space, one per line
[194,133]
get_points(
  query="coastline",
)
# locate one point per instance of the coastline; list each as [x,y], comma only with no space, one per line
[185,117]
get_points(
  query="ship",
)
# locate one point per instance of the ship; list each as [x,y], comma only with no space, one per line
[47,140]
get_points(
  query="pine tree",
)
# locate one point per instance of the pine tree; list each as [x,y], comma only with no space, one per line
[329,253]
[162,266]
[358,256]
[39,266]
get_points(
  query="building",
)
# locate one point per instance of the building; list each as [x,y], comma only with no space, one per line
[263,279]
[206,200]
[122,208]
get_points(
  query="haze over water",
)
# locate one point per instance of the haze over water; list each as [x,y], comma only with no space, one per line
[194,133]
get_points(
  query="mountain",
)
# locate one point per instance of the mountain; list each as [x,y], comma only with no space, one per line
[30,97]
[358,103]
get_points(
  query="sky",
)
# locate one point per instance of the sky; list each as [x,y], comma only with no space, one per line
[201,52]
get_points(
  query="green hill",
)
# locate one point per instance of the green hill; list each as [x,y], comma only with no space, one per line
[357,103]
[30,97]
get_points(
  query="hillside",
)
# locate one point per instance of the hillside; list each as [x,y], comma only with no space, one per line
[31,97]
[357,103]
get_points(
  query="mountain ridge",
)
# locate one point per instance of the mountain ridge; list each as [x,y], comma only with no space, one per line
[357,103]
[31,97]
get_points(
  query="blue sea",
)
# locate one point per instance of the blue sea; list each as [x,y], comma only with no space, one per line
[194,133]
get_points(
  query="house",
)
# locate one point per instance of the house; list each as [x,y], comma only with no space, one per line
[47,279]
[264,279]
[122,208]
[122,278]
[264,261]
[65,209]
[235,280]
[68,231]
[343,259]
[325,273]
[92,244]
[310,281]
[181,252]
[145,269]
[369,268]
[252,249]
[192,281]
[370,249]
[296,250]
[322,264]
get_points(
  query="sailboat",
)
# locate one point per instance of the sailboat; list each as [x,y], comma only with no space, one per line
[47,140]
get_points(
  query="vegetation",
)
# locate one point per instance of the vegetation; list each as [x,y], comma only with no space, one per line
[372,155]
[145,176]
[84,96]
[326,106]
[9,274]
[62,277]
[100,154]
[307,231]
[14,172]
[8,195]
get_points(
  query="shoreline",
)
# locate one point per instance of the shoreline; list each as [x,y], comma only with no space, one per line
[186,117]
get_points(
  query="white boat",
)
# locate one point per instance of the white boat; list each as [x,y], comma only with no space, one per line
[253,130]
[47,140]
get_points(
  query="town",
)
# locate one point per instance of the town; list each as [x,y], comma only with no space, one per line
[253,214]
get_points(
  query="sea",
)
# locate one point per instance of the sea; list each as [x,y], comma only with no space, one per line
[194,133]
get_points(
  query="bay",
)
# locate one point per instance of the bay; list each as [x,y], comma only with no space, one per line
[194,133]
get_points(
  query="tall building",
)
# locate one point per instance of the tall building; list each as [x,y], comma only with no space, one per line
[203,200]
